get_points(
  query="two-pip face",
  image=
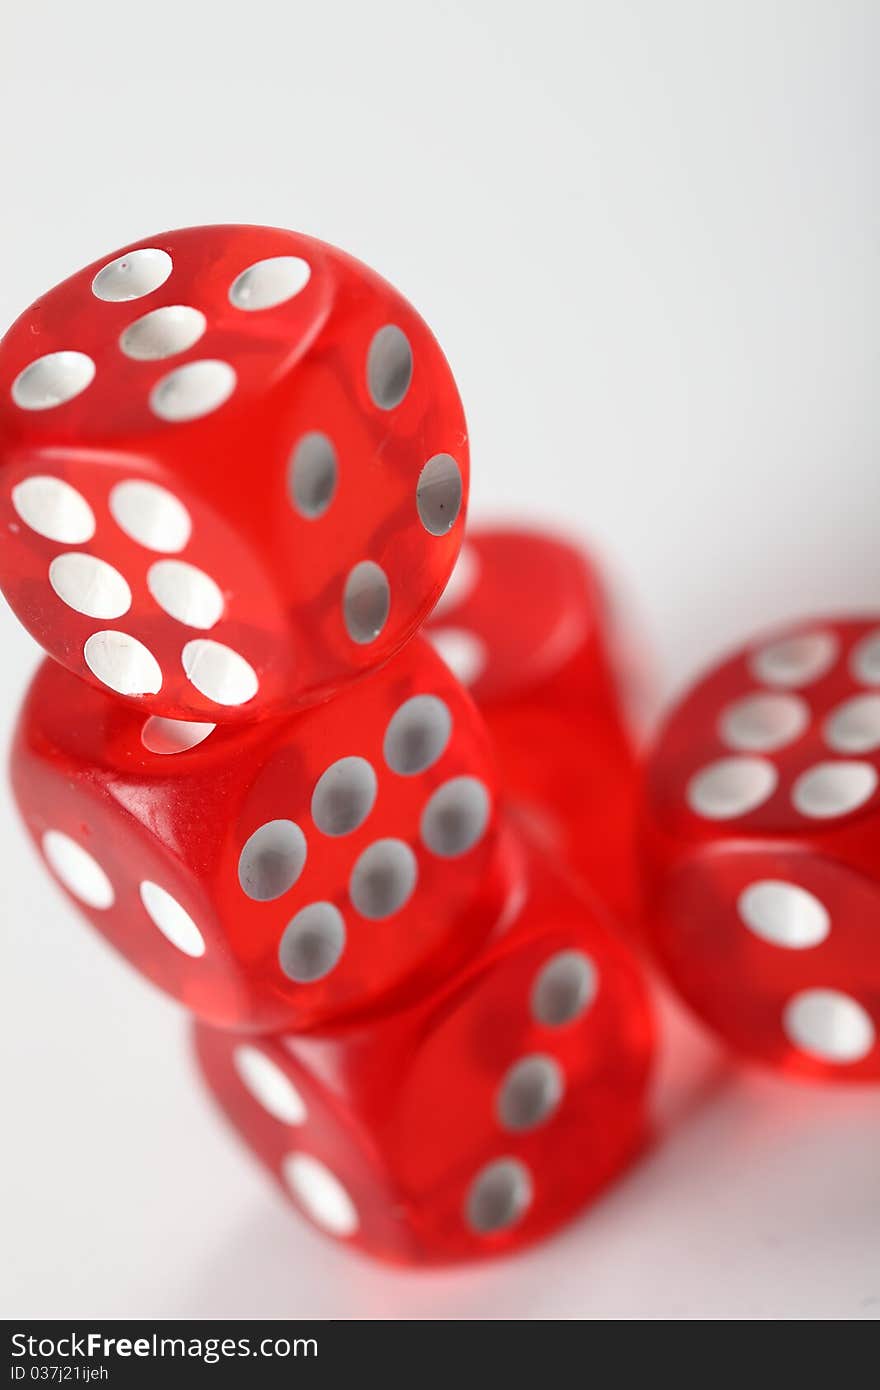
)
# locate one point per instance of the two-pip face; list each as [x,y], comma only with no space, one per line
[233,472]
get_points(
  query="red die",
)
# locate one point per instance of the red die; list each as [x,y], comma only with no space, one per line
[279,874]
[232,474]
[763,849]
[475,1120]
[525,624]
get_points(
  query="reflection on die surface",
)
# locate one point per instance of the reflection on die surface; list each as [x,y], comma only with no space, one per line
[526,625]
[280,874]
[762,843]
[479,1117]
[233,471]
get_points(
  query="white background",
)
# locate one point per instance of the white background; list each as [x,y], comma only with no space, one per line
[647,236]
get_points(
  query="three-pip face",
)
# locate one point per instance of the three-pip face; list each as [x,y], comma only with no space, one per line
[233,472]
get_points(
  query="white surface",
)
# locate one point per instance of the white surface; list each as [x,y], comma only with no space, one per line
[646,237]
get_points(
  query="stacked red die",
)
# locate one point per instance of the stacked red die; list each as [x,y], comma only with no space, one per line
[231,431]
[762,843]
[292,824]
[480,1115]
[286,873]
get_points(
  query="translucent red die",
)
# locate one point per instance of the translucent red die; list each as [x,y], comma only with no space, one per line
[233,471]
[281,874]
[526,624]
[476,1119]
[762,847]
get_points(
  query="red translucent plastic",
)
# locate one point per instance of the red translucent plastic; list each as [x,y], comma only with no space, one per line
[313,451]
[762,849]
[525,623]
[415,908]
[410,1139]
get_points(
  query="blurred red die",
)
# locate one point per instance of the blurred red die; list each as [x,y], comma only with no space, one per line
[526,625]
[762,848]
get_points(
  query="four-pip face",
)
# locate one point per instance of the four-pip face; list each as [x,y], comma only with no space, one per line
[233,472]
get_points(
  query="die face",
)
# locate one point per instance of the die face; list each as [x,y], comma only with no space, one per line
[782,740]
[543,1064]
[231,490]
[526,625]
[306,1139]
[486,1113]
[775,947]
[329,863]
[760,844]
